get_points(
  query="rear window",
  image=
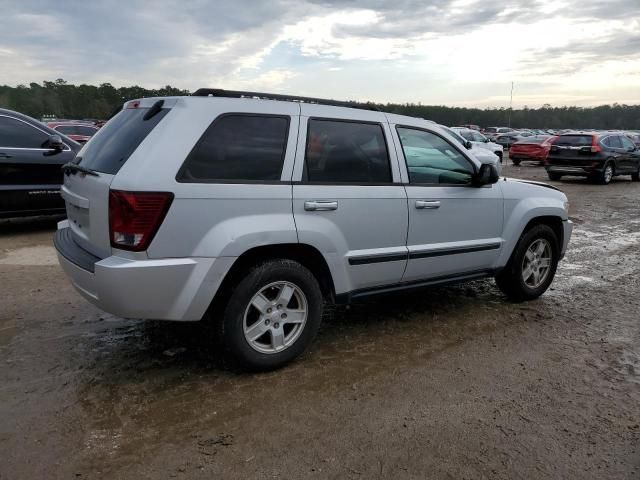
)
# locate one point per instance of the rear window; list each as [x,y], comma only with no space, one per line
[491,130]
[114,143]
[574,140]
[239,148]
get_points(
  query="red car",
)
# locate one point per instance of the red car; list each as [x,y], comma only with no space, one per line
[533,149]
[80,132]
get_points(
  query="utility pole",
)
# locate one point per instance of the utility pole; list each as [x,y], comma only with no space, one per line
[510,106]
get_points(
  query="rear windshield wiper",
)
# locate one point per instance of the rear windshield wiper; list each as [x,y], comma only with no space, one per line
[71,167]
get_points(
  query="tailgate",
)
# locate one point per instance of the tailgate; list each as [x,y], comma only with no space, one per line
[87,194]
[87,203]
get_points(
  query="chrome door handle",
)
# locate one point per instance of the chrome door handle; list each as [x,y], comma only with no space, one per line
[427,204]
[320,205]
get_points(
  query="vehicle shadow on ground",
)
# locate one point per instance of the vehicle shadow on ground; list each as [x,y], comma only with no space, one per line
[400,324]
[12,226]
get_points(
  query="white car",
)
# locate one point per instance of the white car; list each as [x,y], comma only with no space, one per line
[480,141]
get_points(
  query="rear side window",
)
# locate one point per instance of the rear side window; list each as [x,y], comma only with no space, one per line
[346,152]
[574,140]
[239,148]
[17,134]
[614,142]
[114,143]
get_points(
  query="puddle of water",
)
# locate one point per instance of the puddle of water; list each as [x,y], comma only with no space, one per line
[30,256]
[7,332]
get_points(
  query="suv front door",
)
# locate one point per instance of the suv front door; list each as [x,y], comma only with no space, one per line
[455,229]
[349,202]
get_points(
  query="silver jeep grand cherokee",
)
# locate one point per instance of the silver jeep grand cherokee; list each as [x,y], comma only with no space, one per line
[252,210]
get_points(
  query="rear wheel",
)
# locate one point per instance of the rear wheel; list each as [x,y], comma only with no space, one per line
[499,154]
[516,161]
[272,315]
[606,175]
[532,265]
[554,176]
[636,176]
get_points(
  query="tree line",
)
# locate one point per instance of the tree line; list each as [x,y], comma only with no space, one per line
[64,100]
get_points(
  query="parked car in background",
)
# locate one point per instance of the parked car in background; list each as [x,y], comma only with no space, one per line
[508,139]
[252,211]
[599,156]
[493,132]
[480,141]
[31,157]
[532,149]
[483,155]
[471,127]
[80,132]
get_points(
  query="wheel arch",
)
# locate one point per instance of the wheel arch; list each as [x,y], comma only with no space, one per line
[302,253]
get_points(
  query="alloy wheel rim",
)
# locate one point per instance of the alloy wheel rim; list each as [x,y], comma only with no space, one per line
[536,264]
[275,317]
[608,173]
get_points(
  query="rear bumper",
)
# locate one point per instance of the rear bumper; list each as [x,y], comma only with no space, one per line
[567,226]
[578,167]
[165,289]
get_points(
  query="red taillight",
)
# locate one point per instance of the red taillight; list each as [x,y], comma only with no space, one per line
[595,148]
[134,217]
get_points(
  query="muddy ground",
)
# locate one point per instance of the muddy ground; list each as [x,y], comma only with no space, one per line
[450,382]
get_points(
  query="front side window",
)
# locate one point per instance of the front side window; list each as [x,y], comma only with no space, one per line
[478,137]
[626,143]
[239,148]
[17,134]
[432,160]
[346,152]
[466,134]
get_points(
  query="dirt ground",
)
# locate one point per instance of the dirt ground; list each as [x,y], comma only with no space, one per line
[452,382]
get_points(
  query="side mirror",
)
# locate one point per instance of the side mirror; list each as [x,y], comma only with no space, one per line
[54,142]
[488,174]
[468,145]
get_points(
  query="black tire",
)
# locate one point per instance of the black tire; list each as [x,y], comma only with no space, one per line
[516,161]
[510,280]
[603,178]
[554,176]
[636,176]
[499,154]
[231,326]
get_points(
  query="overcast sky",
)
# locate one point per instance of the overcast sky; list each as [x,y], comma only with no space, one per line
[449,52]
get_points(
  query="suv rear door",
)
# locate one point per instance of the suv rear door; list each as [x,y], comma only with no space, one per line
[87,195]
[350,203]
[454,228]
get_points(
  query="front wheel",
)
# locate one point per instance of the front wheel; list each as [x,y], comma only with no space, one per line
[515,161]
[272,315]
[532,265]
[636,176]
[554,176]
[499,154]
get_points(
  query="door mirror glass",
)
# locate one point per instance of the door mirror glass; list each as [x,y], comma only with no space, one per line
[487,175]
[54,142]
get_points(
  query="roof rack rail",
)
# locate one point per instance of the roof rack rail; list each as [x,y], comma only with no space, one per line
[218,92]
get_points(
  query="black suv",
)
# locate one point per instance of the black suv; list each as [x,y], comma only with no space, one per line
[31,157]
[599,156]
